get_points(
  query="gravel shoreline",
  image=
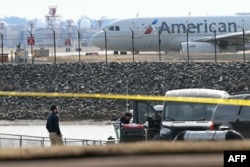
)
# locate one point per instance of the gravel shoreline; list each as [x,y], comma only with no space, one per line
[145,78]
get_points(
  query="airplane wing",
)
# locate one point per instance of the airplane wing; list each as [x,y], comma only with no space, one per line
[230,38]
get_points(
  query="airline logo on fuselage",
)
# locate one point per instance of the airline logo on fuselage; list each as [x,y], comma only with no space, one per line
[151,27]
[200,27]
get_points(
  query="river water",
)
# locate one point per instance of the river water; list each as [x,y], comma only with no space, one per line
[87,129]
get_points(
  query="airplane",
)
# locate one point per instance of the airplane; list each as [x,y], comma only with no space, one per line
[194,34]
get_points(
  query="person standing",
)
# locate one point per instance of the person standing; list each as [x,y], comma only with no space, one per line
[53,128]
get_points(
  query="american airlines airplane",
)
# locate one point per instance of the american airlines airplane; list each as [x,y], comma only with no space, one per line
[194,34]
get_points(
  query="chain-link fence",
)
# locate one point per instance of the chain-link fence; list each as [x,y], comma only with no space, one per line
[47,46]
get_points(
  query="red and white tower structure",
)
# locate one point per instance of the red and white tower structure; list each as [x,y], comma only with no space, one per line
[52,18]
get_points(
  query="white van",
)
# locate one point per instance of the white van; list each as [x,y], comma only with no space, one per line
[195,116]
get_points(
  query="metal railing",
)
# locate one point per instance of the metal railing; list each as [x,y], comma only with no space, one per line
[15,140]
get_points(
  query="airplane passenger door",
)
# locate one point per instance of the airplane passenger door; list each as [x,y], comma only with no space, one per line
[135,26]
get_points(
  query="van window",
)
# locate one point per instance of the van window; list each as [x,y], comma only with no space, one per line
[176,111]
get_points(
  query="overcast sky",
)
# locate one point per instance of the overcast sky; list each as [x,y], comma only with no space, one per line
[74,9]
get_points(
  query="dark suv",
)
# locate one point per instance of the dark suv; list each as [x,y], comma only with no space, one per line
[236,117]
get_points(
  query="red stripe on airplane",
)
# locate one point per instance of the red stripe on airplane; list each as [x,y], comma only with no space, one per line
[149,30]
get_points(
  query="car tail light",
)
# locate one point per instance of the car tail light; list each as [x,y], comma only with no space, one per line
[211,125]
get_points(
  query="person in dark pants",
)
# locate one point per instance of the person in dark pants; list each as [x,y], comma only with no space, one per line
[53,128]
[126,118]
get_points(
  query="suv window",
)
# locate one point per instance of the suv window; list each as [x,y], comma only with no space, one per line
[177,111]
[246,111]
[226,112]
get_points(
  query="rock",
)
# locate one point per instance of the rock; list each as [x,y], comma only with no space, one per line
[144,78]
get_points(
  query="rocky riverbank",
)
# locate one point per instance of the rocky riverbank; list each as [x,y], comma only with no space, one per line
[116,78]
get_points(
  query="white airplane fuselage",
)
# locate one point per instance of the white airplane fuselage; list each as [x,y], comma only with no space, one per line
[144,34]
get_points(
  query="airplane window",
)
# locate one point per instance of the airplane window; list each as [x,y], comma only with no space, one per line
[117,28]
[111,28]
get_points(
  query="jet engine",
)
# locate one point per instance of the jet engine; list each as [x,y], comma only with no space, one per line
[199,47]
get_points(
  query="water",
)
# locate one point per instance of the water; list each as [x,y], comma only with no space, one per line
[87,129]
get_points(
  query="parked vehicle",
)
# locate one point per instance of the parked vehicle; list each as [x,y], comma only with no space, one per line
[208,135]
[235,117]
[181,116]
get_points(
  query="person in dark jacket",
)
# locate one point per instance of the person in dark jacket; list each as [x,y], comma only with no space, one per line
[53,128]
[126,118]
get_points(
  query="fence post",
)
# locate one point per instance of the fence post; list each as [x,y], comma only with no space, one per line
[65,141]
[42,144]
[20,141]
[85,142]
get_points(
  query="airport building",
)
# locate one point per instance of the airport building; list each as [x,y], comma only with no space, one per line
[67,34]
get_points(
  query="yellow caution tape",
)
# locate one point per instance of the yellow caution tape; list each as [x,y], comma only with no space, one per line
[128,97]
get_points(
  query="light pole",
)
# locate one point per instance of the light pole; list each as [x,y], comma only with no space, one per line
[243,43]
[105,41]
[215,45]
[187,34]
[79,49]
[2,46]
[31,47]
[187,45]
[133,46]
[54,36]
[159,42]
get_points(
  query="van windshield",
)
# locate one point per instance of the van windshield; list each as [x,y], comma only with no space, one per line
[176,111]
